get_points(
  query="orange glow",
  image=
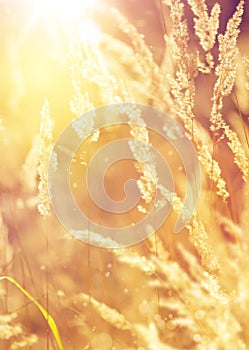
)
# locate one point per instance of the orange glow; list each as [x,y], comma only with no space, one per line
[62,61]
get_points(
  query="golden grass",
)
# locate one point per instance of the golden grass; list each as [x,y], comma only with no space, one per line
[186,291]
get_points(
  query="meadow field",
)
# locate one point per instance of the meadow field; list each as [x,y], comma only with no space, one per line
[60,60]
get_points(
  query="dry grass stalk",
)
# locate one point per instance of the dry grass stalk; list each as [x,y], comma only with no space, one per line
[182,87]
[206,27]
[44,156]
[203,298]
[226,73]
[110,315]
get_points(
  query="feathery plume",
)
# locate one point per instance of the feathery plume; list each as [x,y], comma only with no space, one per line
[46,127]
[110,315]
[206,27]
[182,88]
[226,73]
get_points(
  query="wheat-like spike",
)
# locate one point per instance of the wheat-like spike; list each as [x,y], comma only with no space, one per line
[146,161]
[133,259]
[95,238]
[184,110]
[205,67]
[199,237]
[85,72]
[110,315]
[226,73]
[206,27]
[46,127]
[180,34]
[183,90]
[240,157]
[118,320]
[197,232]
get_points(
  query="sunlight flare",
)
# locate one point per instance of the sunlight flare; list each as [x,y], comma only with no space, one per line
[65,10]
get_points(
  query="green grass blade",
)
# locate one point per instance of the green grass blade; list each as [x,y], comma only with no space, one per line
[45,314]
